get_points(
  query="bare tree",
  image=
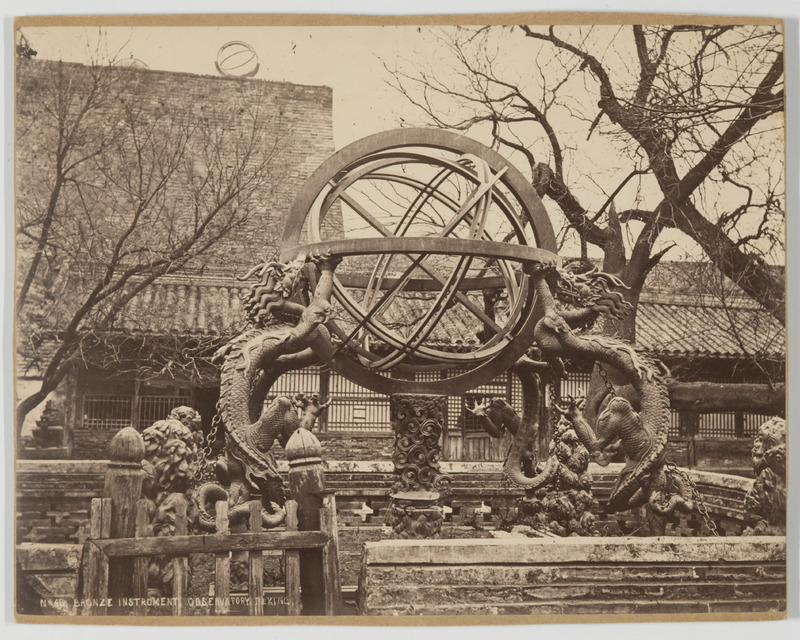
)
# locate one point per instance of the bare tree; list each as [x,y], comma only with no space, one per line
[686,120]
[117,187]
[680,126]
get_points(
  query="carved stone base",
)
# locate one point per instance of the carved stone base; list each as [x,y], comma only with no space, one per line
[564,513]
[563,504]
[415,515]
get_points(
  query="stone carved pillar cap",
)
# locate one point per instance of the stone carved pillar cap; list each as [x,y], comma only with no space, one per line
[127,446]
[303,448]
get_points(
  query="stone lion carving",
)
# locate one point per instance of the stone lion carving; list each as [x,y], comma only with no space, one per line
[765,503]
[170,464]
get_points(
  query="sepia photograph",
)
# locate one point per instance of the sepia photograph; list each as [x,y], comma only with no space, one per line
[474,318]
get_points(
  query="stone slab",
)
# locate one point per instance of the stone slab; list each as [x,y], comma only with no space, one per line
[567,550]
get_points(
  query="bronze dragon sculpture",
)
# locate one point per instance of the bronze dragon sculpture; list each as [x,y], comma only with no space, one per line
[277,341]
[642,435]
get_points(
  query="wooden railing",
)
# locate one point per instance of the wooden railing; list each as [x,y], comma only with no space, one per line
[121,544]
[102,548]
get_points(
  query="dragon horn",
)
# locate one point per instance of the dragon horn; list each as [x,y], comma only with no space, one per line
[250,273]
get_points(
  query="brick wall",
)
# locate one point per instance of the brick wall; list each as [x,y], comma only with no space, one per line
[296,123]
[91,444]
[53,497]
[574,576]
[348,446]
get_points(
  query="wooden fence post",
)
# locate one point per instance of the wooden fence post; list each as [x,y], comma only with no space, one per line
[95,576]
[123,485]
[180,564]
[255,565]
[141,565]
[292,564]
[222,575]
[306,485]
[330,556]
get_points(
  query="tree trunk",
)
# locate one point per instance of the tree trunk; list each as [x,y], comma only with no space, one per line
[28,405]
[623,328]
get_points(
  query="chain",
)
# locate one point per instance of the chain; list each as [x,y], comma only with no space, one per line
[204,471]
[698,497]
[555,412]
[604,375]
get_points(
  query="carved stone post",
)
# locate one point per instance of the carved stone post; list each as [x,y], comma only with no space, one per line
[307,488]
[416,510]
[123,484]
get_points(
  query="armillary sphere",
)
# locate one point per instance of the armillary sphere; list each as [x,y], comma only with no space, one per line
[425,221]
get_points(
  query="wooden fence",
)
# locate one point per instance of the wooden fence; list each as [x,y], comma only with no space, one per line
[110,554]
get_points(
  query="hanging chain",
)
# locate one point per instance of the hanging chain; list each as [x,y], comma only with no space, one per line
[604,375]
[698,497]
[204,470]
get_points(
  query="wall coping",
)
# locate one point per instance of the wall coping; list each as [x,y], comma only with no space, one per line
[579,549]
[738,483]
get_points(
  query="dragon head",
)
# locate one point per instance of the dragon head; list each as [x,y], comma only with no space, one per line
[277,281]
[591,288]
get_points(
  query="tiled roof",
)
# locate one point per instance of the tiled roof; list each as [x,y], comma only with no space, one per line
[685,327]
[668,324]
[684,324]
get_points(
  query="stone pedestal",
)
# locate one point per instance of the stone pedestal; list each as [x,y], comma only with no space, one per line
[416,510]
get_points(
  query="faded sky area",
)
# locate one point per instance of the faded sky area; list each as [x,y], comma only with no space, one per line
[356,62]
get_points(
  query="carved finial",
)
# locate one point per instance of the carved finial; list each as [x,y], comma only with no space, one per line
[127,446]
[303,448]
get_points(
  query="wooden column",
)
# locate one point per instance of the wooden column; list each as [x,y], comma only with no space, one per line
[738,424]
[222,574]
[255,565]
[123,486]
[547,420]
[307,488]
[293,604]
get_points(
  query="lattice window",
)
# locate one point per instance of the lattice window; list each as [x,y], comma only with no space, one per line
[354,408]
[107,412]
[576,384]
[115,411]
[300,381]
[752,421]
[718,424]
[674,423]
[428,376]
[154,408]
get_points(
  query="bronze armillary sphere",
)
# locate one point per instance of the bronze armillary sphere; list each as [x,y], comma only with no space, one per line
[423,218]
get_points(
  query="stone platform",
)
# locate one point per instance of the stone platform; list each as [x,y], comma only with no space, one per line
[574,576]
